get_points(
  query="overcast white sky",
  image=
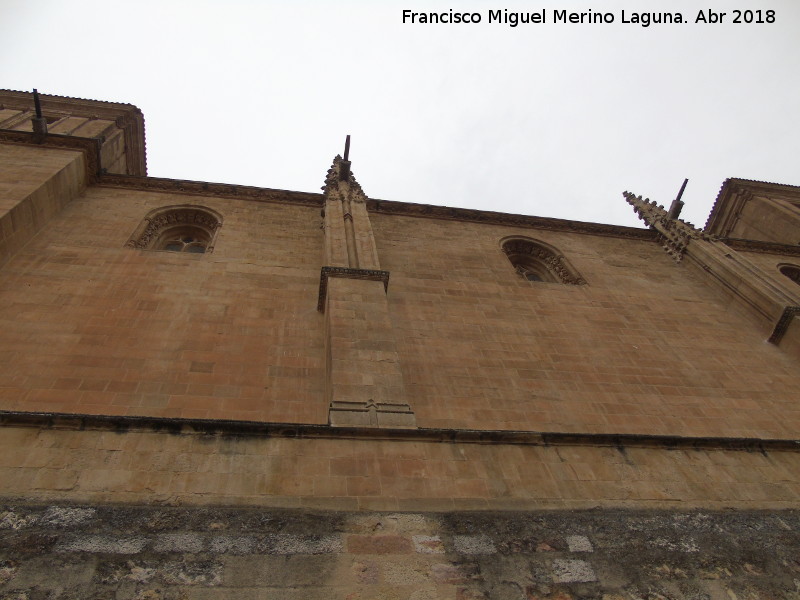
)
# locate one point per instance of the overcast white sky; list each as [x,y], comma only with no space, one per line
[547,119]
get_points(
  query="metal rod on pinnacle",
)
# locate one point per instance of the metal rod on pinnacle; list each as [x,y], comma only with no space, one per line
[677,205]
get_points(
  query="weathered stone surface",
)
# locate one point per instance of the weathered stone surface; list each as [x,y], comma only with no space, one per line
[428,544]
[107,551]
[378,544]
[579,543]
[102,544]
[230,544]
[67,516]
[572,571]
[178,542]
[473,544]
[296,544]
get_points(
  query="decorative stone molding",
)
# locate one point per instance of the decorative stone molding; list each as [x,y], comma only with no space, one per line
[388,207]
[495,218]
[210,190]
[89,146]
[371,414]
[162,219]
[347,272]
[761,247]
[525,253]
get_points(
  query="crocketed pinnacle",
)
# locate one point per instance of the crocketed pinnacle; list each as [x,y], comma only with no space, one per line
[647,211]
[334,181]
[675,234]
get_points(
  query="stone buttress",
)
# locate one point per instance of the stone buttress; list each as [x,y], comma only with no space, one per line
[364,381]
[768,297]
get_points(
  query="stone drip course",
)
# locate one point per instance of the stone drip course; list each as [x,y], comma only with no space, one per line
[153,552]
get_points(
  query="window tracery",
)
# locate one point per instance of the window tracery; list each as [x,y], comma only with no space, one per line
[536,261]
[182,228]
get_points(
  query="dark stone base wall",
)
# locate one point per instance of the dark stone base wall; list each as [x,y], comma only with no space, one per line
[174,553]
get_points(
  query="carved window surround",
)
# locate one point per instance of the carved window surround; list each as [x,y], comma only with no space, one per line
[536,261]
[161,224]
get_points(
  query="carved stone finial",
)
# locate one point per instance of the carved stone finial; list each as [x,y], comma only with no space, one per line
[340,173]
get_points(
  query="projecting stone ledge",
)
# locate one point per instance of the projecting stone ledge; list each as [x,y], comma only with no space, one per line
[347,273]
[371,414]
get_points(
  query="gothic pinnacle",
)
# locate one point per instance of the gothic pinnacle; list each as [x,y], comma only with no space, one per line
[340,173]
[647,211]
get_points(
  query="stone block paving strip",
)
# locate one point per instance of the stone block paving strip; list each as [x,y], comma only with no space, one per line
[428,544]
[198,542]
[103,544]
[297,544]
[579,543]
[177,542]
[473,544]
[572,571]
[233,544]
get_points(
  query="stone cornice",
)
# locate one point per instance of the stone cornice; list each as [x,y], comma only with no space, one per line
[21,100]
[387,207]
[762,247]
[763,186]
[408,209]
[210,190]
[126,116]
[174,426]
[89,146]
[719,218]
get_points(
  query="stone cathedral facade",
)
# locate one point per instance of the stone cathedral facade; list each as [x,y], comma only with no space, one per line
[218,391]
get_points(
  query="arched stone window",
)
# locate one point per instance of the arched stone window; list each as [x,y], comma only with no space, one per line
[791,271]
[537,261]
[182,228]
